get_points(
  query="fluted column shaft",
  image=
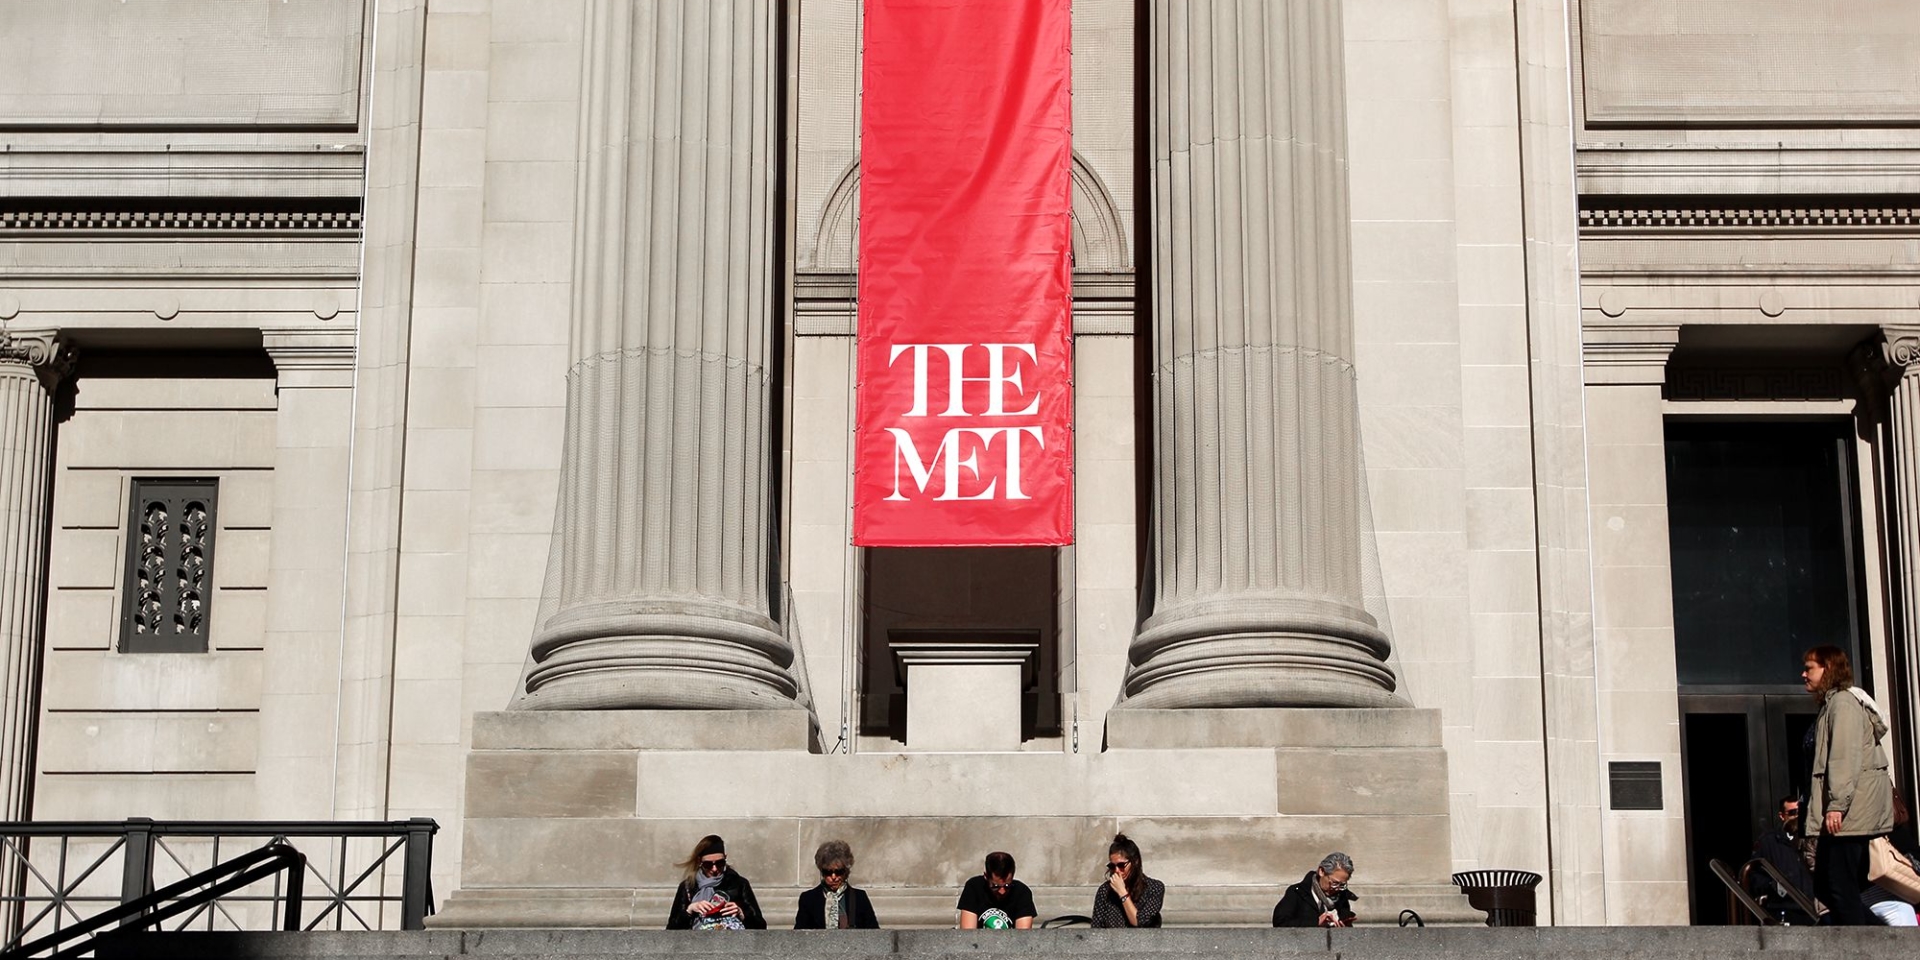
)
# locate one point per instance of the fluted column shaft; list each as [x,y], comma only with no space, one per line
[1258,524]
[1900,363]
[657,589]
[31,365]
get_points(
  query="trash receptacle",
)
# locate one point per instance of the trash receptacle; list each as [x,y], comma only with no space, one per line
[1506,895]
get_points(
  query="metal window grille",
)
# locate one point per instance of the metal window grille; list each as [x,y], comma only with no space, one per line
[167,600]
[1634,785]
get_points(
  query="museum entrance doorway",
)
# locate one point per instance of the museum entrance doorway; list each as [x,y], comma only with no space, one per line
[1764,528]
[979,627]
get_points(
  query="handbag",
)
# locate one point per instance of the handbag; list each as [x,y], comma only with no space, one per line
[1892,872]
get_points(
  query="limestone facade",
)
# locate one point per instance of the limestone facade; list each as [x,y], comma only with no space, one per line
[332,256]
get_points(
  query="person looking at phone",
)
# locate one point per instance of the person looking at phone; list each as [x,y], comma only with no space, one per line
[994,900]
[1321,897]
[713,896]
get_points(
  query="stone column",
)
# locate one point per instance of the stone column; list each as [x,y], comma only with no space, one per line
[1890,377]
[657,586]
[1258,500]
[31,365]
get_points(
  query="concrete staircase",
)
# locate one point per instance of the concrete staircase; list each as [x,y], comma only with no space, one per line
[1380,943]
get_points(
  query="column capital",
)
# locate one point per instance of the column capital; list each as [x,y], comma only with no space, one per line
[311,357]
[1625,354]
[1900,348]
[49,355]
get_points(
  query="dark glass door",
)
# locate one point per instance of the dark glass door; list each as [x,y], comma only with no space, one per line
[1740,754]
[1765,541]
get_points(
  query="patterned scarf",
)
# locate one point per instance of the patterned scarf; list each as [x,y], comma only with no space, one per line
[835,921]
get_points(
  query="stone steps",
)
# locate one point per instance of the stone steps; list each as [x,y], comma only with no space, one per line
[1563,943]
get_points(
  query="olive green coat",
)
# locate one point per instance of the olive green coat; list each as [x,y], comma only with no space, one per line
[1850,770]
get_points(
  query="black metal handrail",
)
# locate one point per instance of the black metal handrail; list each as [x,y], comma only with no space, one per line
[177,898]
[64,892]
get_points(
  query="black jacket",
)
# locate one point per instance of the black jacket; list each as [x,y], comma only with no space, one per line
[1299,908]
[1780,849]
[812,914]
[734,886]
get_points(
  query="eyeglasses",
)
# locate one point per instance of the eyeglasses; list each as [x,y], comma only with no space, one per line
[1336,885]
[834,872]
[714,866]
[1000,887]
[1113,865]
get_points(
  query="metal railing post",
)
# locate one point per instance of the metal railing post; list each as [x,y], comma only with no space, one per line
[136,866]
[416,896]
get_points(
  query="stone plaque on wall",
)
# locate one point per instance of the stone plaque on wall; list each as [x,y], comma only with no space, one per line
[180,63]
[1755,63]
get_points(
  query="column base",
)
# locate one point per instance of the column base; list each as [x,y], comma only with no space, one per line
[660,655]
[1261,652]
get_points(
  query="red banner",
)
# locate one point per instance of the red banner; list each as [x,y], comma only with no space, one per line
[964,434]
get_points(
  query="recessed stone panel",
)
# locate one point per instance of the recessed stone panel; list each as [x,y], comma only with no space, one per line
[1755,63]
[180,63]
[550,783]
[1363,781]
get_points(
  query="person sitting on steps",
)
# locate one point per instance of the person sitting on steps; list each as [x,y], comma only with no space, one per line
[1321,898]
[995,900]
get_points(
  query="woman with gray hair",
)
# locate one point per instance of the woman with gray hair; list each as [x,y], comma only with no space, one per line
[835,904]
[1320,898]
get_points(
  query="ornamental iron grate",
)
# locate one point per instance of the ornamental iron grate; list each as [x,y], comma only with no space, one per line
[168,598]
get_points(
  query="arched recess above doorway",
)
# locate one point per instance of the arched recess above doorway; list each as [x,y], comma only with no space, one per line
[1099,235]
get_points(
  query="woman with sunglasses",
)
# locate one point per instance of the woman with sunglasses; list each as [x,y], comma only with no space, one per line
[713,897]
[1129,898]
[1321,897]
[835,904]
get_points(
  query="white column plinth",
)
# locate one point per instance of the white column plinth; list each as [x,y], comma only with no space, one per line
[963,695]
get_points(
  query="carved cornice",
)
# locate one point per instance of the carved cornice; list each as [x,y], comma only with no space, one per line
[50,357]
[146,216]
[1607,216]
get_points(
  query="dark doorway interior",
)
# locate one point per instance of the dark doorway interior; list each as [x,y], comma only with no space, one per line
[989,592]
[1740,754]
[1764,529]
[1719,794]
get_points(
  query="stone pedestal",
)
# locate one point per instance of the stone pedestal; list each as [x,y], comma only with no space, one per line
[964,696]
[577,818]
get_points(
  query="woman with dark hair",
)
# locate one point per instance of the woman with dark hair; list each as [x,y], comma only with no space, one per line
[1129,898]
[713,897]
[835,904]
[1850,799]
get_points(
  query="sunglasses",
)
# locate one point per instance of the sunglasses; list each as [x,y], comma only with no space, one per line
[1113,865]
[1000,887]
[714,865]
[834,872]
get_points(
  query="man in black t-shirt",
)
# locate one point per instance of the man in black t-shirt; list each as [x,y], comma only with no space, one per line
[995,900]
